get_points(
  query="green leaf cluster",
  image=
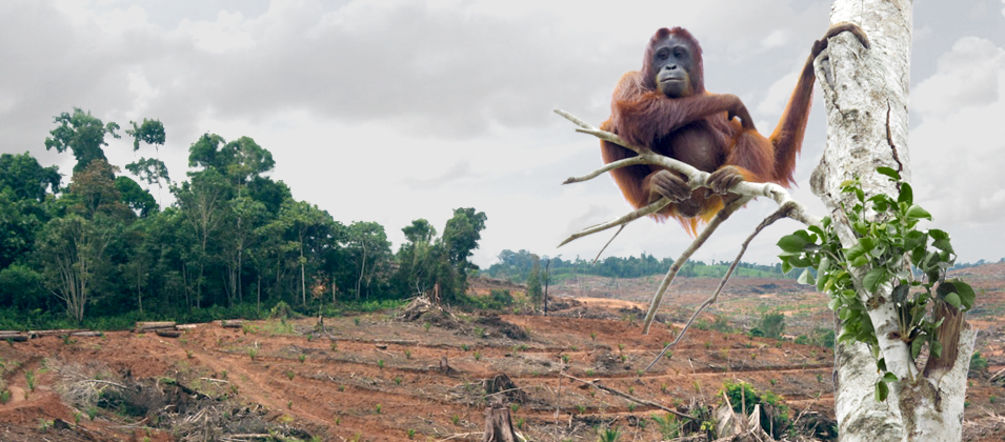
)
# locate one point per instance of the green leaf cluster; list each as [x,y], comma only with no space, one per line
[889,243]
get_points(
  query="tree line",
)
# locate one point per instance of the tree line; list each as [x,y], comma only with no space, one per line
[523,266]
[234,239]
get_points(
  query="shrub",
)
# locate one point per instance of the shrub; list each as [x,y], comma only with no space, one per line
[774,415]
[772,325]
[978,363]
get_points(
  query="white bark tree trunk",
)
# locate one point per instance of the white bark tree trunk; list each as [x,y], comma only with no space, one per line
[866,95]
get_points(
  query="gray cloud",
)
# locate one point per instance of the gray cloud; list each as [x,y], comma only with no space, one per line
[461,91]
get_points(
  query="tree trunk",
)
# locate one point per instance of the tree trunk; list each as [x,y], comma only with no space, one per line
[362,267]
[866,94]
[139,289]
[303,274]
[498,425]
[547,279]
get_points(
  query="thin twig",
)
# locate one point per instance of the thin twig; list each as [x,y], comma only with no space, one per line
[777,215]
[630,161]
[100,381]
[215,380]
[459,435]
[601,252]
[720,217]
[627,396]
[631,216]
[503,391]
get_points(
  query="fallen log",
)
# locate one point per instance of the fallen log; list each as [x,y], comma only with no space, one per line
[232,323]
[56,332]
[167,333]
[145,326]
[186,326]
[14,338]
[87,334]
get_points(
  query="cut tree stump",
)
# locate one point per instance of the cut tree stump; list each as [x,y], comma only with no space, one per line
[498,424]
[445,367]
[502,385]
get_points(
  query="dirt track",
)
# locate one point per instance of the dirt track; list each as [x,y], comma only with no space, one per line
[379,378]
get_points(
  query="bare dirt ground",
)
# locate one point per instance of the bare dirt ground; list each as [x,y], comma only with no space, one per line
[379,377]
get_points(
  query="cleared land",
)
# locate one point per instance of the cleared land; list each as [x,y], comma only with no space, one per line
[381,377]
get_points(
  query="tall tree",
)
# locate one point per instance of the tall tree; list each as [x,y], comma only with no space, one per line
[72,249]
[419,231]
[26,178]
[307,226]
[240,162]
[249,215]
[460,239]
[93,190]
[150,132]
[133,196]
[866,101]
[203,204]
[367,244]
[24,186]
[82,134]
[534,281]
[151,170]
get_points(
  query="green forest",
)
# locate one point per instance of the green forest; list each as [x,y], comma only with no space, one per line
[98,251]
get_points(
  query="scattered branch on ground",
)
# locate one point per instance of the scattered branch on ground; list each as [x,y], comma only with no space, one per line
[598,385]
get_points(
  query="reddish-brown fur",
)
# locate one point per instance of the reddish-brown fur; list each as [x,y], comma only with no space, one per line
[644,116]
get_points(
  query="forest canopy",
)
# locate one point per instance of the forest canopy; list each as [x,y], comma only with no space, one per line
[233,242]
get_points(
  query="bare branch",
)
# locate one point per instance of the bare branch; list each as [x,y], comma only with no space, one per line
[601,252]
[607,168]
[100,381]
[782,212]
[631,216]
[629,397]
[720,217]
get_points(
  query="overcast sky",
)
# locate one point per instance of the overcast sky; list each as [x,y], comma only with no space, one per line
[390,111]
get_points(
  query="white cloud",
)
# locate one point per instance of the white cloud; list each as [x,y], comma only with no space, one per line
[957,148]
[229,32]
[968,75]
[776,38]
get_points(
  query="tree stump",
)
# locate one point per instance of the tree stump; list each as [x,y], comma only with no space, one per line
[498,424]
[504,386]
[445,367]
